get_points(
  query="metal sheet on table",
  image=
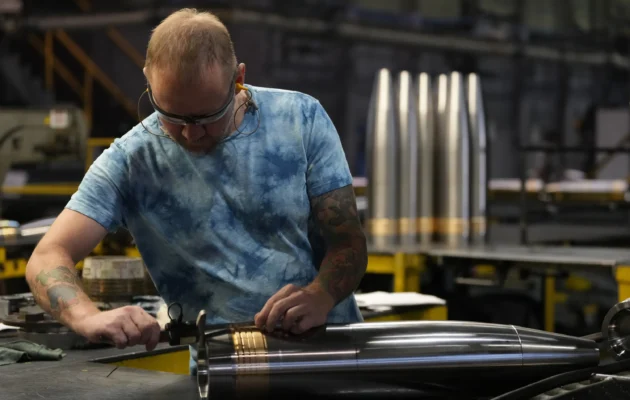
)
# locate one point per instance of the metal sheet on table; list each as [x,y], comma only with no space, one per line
[547,255]
[586,256]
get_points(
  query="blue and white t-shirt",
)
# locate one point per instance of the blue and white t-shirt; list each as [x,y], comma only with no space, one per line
[225,231]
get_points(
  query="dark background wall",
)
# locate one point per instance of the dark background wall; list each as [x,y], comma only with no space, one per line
[530,97]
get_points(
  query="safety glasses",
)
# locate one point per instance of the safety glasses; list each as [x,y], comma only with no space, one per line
[192,119]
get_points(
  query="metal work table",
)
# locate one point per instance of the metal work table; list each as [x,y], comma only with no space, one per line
[406,263]
[557,255]
[576,256]
[77,377]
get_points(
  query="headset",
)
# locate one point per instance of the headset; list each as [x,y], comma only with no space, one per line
[250,100]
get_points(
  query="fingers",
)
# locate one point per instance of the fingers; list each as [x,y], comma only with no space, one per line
[279,309]
[154,338]
[131,330]
[262,318]
[304,324]
[115,332]
[293,316]
[129,326]
[148,326]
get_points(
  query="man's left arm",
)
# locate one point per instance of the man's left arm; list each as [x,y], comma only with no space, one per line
[333,207]
[298,309]
[345,262]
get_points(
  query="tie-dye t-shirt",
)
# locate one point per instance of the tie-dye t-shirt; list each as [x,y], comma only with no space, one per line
[224,231]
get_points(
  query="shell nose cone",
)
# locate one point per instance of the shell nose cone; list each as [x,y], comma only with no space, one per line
[554,349]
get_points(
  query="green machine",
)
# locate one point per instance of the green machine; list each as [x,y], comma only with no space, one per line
[41,150]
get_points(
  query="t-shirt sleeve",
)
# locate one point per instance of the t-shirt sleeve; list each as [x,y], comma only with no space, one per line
[327,164]
[101,192]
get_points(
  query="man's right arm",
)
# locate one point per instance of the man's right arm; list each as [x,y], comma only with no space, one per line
[51,272]
[96,208]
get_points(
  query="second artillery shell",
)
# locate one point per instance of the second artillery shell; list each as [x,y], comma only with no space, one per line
[452,186]
[478,170]
[408,157]
[426,150]
[382,166]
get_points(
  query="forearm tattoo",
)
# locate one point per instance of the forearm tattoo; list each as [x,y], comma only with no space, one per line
[345,262]
[60,287]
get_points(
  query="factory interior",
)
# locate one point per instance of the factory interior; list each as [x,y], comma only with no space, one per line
[489,147]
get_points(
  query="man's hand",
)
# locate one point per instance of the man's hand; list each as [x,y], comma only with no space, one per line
[126,326]
[297,309]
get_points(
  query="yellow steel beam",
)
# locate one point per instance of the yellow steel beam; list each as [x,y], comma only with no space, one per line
[400,272]
[13,268]
[91,144]
[100,142]
[622,275]
[64,189]
[405,268]
[550,303]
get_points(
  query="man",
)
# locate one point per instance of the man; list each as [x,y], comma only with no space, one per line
[229,191]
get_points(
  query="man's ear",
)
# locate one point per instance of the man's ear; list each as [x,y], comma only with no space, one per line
[240,75]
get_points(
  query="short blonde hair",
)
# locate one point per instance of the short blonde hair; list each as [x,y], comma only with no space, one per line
[188,41]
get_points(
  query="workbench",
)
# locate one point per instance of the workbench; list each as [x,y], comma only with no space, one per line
[129,374]
[78,376]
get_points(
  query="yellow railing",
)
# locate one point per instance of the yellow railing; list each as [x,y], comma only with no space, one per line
[84,90]
[92,72]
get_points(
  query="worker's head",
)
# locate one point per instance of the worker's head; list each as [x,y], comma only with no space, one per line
[193,76]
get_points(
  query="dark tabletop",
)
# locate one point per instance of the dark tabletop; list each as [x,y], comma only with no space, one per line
[77,377]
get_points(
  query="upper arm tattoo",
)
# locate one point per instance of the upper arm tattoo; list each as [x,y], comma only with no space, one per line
[346,260]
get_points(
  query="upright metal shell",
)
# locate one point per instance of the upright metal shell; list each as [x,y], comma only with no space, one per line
[382,171]
[426,150]
[478,170]
[408,157]
[453,162]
